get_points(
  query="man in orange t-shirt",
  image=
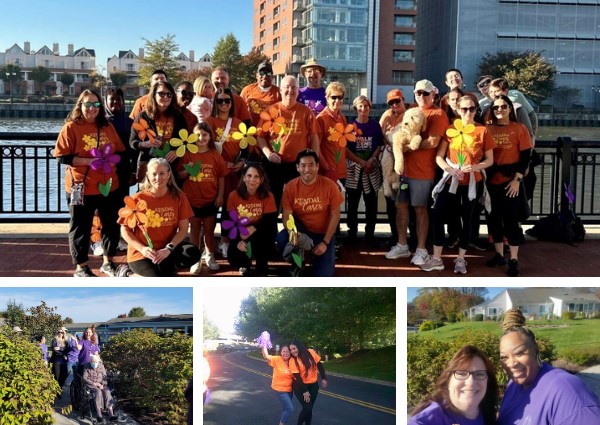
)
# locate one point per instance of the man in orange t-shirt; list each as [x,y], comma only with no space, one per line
[314,201]
[262,94]
[140,103]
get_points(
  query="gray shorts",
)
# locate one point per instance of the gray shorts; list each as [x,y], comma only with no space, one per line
[417,193]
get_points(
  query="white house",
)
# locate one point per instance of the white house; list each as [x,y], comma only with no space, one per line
[538,303]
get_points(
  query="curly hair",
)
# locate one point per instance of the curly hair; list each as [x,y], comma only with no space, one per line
[305,357]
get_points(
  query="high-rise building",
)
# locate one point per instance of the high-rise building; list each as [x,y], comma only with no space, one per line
[457,33]
[368,45]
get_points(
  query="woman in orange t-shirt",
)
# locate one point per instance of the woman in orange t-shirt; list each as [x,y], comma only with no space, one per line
[332,162]
[308,363]
[158,247]
[284,373]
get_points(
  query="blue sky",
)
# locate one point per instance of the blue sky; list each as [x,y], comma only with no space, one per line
[492,292]
[92,304]
[109,26]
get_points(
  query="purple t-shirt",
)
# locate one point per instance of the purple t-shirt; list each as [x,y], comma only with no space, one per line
[313,98]
[87,349]
[73,355]
[44,349]
[434,414]
[371,138]
[555,398]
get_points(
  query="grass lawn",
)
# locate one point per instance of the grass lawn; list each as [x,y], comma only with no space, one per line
[375,364]
[565,334]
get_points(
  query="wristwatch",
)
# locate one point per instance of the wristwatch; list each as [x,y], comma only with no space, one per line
[518,179]
[170,246]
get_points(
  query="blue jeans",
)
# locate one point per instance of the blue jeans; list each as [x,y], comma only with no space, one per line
[288,408]
[71,371]
[323,265]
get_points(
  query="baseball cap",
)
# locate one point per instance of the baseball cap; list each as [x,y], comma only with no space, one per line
[265,65]
[424,85]
[395,94]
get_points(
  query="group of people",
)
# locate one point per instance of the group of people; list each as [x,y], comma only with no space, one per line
[79,355]
[295,372]
[195,149]
[466,391]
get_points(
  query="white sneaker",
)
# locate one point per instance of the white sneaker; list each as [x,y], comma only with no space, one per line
[397,251]
[196,268]
[223,247]
[122,245]
[211,263]
[420,257]
[97,249]
[431,264]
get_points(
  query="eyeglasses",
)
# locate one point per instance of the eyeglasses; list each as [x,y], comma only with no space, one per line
[265,73]
[504,107]
[394,102]
[484,83]
[186,93]
[422,93]
[89,105]
[463,375]
[163,94]
[223,101]
[470,109]
[336,97]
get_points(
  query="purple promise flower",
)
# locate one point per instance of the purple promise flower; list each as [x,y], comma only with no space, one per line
[105,158]
[236,224]
[264,340]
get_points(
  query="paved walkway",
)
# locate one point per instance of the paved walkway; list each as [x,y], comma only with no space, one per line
[591,376]
[42,251]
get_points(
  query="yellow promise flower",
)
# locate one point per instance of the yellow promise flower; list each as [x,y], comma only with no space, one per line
[184,142]
[154,219]
[460,134]
[245,136]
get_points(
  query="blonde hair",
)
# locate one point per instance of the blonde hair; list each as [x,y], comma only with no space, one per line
[359,99]
[171,184]
[335,86]
[200,83]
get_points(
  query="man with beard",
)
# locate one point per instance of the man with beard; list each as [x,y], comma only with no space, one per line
[313,95]
[262,94]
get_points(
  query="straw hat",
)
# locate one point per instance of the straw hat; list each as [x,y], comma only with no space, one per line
[312,63]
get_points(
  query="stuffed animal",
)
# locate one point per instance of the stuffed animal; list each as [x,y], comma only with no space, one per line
[413,123]
[391,180]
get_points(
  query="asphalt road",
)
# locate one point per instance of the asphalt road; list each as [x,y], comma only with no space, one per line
[241,394]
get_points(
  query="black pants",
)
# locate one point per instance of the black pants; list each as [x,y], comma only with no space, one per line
[390,209]
[370,200]
[60,372]
[80,224]
[184,256]
[305,416]
[262,245]
[279,175]
[503,219]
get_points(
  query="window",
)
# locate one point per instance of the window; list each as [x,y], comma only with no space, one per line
[262,7]
[403,56]
[276,42]
[262,21]
[262,35]
[405,4]
[130,67]
[492,311]
[404,21]
[275,57]
[402,77]
[404,39]
[276,26]
[276,11]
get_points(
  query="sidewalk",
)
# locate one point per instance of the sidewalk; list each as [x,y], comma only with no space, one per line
[591,377]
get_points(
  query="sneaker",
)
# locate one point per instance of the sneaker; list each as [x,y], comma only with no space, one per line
[246,271]
[451,244]
[223,247]
[479,245]
[420,257]
[397,251]
[496,261]
[431,263]
[85,271]
[109,269]
[113,418]
[123,270]
[513,268]
[122,246]
[97,249]
[211,263]
[460,266]
[196,268]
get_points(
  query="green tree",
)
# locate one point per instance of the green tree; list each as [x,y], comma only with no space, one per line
[42,320]
[28,388]
[566,96]
[227,54]
[159,54]
[137,312]
[66,78]
[209,329]
[247,69]
[67,321]
[14,314]
[10,73]
[526,71]
[118,78]
[40,75]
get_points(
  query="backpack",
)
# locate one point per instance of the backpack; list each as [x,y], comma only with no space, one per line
[563,226]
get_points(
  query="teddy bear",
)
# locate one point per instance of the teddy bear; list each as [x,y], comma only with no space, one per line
[408,136]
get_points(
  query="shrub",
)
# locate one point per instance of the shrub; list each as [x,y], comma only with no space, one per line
[582,356]
[568,315]
[153,370]
[427,325]
[479,317]
[28,387]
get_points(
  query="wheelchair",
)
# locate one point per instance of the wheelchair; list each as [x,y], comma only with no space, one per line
[82,400]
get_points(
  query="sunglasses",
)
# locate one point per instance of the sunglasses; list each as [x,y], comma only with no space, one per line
[484,83]
[186,93]
[163,94]
[422,93]
[394,102]
[89,105]
[265,73]
[469,109]
[503,107]
[223,101]
[336,97]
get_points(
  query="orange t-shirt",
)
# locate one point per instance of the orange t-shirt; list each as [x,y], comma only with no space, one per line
[190,120]
[283,373]
[311,377]
[203,188]
[259,100]
[240,108]
[311,204]
[299,125]
[420,164]
[482,141]
[329,149]
[253,207]
[79,138]
[231,147]
[509,141]
[164,215]
[138,106]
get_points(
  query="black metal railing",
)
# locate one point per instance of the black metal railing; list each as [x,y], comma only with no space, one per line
[32,189]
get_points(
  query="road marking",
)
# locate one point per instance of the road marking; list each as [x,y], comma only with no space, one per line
[321,391]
